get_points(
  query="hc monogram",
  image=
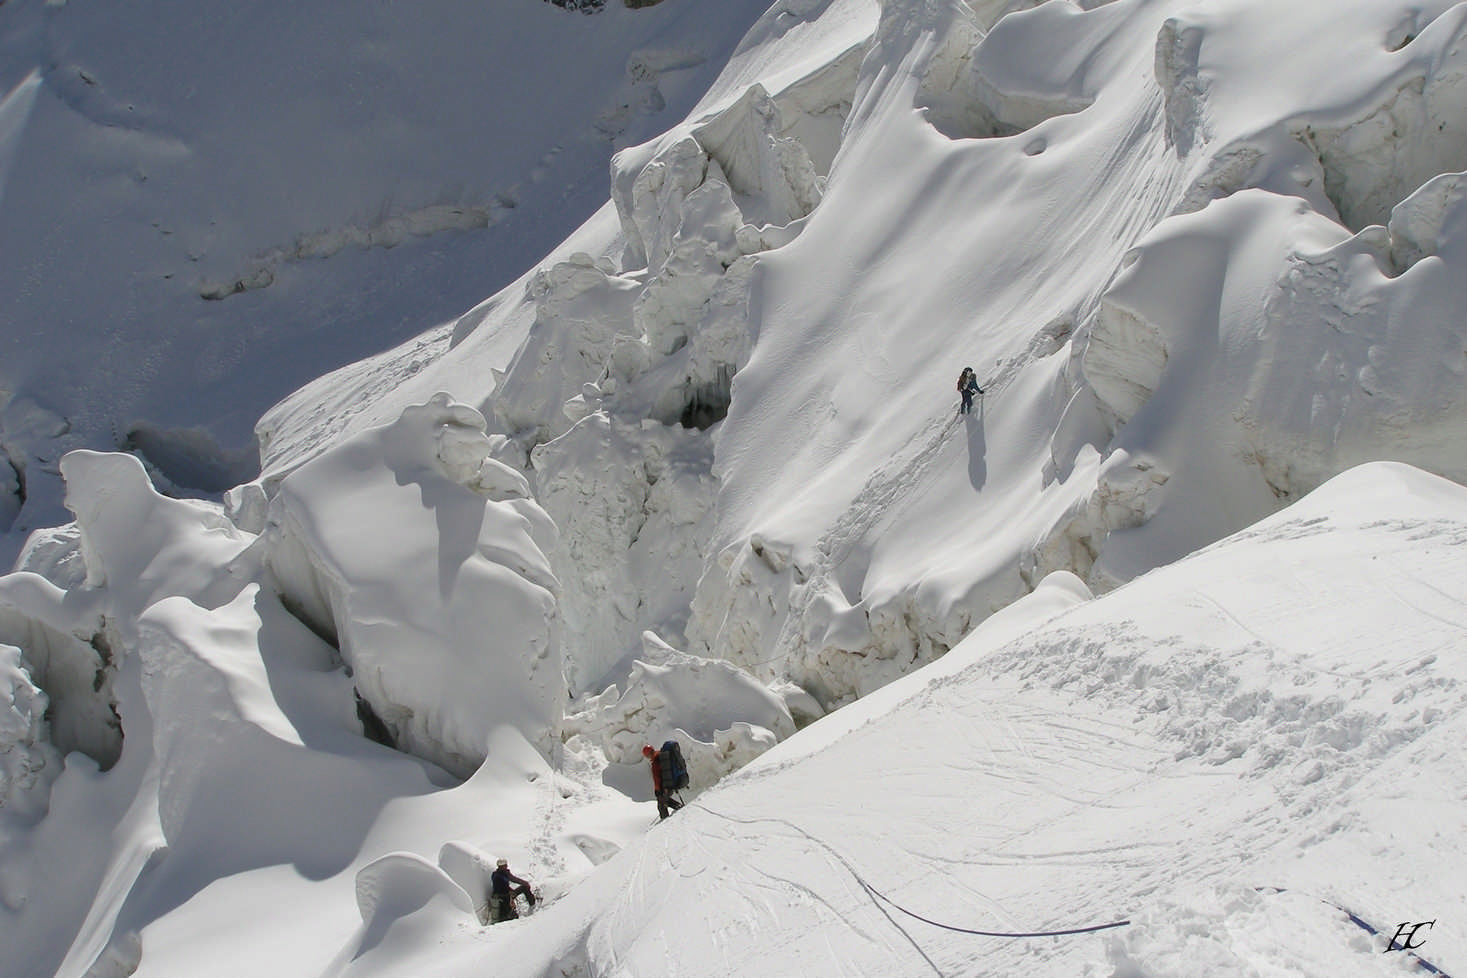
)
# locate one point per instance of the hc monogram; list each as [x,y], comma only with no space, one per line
[1405,934]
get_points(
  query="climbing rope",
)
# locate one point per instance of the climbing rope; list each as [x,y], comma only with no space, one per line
[989,933]
[877,895]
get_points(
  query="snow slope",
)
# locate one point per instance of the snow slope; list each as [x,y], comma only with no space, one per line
[1231,755]
[1222,752]
[339,178]
[697,473]
[1161,372]
[1172,754]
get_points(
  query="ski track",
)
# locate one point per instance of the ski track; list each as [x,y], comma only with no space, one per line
[1387,583]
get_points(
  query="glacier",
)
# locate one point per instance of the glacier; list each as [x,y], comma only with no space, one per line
[1147,667]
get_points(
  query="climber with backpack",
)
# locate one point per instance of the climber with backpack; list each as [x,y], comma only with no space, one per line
[967,387]
[669,774]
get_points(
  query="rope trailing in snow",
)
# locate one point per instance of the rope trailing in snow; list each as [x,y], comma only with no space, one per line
[877,895]
[989,933]
[849,868]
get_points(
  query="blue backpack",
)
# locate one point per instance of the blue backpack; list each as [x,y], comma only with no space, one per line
[674,769]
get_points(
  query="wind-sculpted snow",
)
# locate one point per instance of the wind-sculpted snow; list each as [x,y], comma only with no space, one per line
[233,746]
[136,547]
[1291,357]
[398,885]
[1018,90]
[70,615]
[401,544]
[1355,146]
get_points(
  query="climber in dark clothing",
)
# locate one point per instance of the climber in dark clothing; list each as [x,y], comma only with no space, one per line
[504,887]
[967,387]
[665,800]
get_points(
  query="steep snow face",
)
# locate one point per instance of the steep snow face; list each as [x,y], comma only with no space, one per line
[1156,377]
[1215,746]
[1213,345]
[422,558]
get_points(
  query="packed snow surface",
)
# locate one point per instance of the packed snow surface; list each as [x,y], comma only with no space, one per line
[1217,752]
[1148,667]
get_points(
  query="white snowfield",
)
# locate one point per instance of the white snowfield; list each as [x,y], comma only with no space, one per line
[1174,754]
[1149,667]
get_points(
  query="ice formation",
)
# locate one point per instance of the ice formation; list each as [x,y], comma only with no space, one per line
[419,556]
[28,759]
[721,716]
[611,403]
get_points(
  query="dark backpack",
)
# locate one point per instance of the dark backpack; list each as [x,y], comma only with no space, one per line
[674,769]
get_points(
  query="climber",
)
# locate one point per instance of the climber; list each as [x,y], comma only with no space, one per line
[668,774]
[504,887]
[967,387]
